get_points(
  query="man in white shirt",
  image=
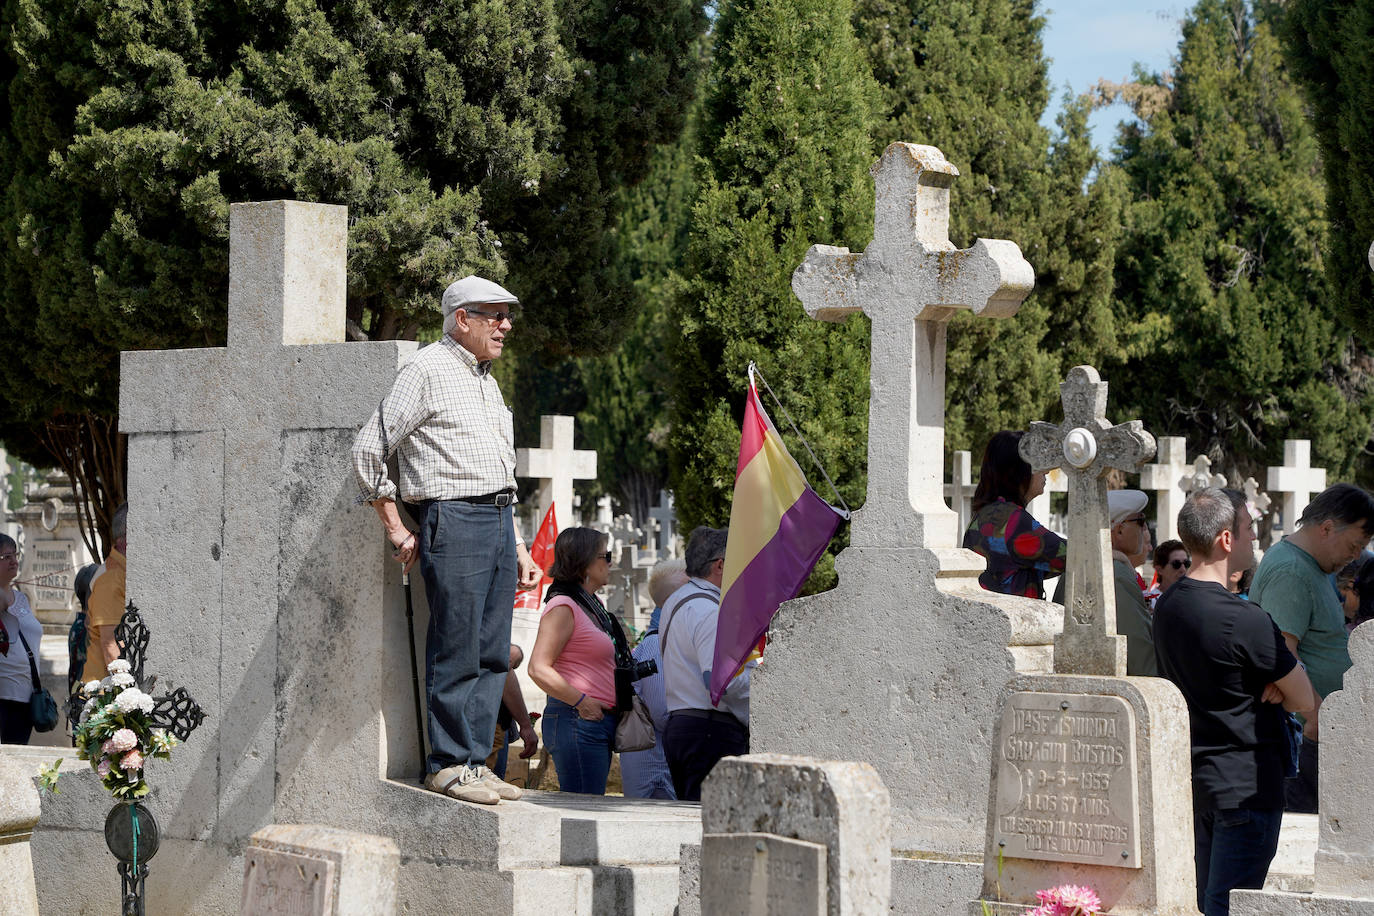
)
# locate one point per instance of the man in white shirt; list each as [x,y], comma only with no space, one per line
[447,422]
[699,734]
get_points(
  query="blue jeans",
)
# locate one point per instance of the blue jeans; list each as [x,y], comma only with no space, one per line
[581,750]
[467,557]
[1233,848]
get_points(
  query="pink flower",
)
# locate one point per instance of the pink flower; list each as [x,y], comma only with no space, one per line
[1067,900]
[107,748]
[123,740]
[131,761]
[104,768]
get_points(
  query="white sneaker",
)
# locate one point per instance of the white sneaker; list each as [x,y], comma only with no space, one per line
[503,788]
[463,783]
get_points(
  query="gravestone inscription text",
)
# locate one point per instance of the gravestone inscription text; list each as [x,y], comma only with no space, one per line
[750,874]
[1066,780]
[280,883]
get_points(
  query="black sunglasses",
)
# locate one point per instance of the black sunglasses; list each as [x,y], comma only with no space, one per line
[1183,564]
[606,556]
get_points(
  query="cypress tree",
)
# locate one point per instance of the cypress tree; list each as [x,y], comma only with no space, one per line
[1330,47]
[970,77]
[1219,281]
[783,163]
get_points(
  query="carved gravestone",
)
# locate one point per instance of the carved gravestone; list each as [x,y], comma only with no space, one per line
[308,870]
[786,836]
[1091,772]
[903,571]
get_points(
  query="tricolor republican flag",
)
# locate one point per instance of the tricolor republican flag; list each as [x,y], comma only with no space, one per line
[779,527]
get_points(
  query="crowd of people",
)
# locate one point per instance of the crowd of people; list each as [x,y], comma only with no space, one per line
[1253,647]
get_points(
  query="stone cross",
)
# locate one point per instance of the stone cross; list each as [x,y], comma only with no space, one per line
[1297,480]
[959,490]
[910,281]
[1165,478]
[666,516]
[1087,447]
[1202,477]
[1258,500]
[604,514]
[247,545]
[630,576]
[626,532]
[556,464]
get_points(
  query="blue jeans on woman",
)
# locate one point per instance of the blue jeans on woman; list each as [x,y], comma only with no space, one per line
[581,750]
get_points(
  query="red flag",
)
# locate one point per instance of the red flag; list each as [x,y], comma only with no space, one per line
[541,551]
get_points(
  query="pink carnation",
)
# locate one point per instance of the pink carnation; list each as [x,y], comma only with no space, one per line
[104,767]
[131,761]
[123,740]
[1068,900]
[107,748]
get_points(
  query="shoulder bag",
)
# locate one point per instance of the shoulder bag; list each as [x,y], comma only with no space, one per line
[42,707]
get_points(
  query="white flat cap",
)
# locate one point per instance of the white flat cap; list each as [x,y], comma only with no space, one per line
[1122,504]
[473,290]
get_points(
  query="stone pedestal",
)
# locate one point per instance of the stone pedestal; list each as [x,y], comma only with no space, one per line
[19,810]
[1091,785]
[307,868]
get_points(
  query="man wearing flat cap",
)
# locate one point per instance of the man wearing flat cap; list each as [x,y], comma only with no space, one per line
[447,423]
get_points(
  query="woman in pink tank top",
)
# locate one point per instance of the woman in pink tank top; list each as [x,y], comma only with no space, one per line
[574,663]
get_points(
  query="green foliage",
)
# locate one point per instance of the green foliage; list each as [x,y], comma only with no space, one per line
[1220,277]
[783,163]
[1330,48]
[970,78]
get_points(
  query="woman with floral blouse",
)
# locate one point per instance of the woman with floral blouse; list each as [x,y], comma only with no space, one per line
[1020,551]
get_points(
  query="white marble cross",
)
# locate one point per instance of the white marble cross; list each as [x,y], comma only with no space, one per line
[666,516]
[605,517]
[1086,447]
[1297,480]
[1259,501]
[1201,476]
[556,464]
[959,490]
[1165,478]
[910,281]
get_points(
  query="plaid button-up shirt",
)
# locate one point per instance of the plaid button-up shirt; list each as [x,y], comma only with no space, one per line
[449,425]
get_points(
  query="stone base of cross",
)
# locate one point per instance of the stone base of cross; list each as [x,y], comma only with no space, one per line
[1087,447]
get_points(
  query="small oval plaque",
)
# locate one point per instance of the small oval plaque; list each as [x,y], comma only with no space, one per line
[119,833]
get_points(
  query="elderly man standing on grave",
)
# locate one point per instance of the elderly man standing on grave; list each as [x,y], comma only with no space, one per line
[1233,667]
[1292,584]
[698,734]
[107,602]
[446,419]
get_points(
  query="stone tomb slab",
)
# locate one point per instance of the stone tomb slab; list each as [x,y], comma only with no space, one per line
[751,874]
[280,883]
[1066,788]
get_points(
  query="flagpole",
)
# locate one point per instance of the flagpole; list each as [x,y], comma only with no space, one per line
[753,371]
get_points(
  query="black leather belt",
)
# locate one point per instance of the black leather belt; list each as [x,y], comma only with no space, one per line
[714,715]
[500,499]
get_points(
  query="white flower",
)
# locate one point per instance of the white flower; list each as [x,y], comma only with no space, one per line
[133,699]
[120,679]
[106,683]
[86,710]
[91,686]
[119,666]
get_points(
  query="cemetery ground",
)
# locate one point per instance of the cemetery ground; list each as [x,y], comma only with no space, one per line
[921,745]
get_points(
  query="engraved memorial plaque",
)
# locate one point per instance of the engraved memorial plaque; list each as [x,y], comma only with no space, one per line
[1066,780]
[280,883]
[51,566]
[750,874]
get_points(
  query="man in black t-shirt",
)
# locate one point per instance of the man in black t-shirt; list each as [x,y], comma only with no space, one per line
[1234,670]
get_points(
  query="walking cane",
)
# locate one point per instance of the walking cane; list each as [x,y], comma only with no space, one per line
[415,677]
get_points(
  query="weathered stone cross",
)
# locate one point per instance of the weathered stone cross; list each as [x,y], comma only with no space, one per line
[556,464]
[1086,447]
[909,281]
[1165,478]
[666,516]
[1297,480]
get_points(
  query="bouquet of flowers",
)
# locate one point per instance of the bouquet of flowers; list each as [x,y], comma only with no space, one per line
[1067,900]
[115,732]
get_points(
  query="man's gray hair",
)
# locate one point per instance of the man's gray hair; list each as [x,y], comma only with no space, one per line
[667,577]
[703,547]
[1208,513]
[119,522]
[1343,503]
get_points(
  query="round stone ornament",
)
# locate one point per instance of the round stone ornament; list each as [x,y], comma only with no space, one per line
[119,832]
[1080,447]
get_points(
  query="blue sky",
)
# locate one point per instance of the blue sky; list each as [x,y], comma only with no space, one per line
[1087,40]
